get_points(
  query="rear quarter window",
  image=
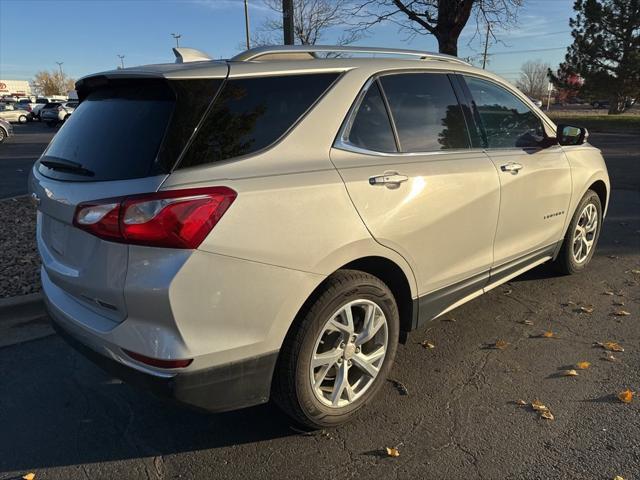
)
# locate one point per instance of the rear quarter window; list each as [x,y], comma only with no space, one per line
[251,114]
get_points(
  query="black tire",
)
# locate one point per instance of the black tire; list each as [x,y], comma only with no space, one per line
[565,262]
[3,135]
[292,389]
[22,119]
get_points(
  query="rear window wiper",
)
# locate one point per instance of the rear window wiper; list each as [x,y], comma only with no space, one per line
[67,166]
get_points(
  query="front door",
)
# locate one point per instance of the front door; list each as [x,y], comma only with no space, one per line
[420,188]
[535,182]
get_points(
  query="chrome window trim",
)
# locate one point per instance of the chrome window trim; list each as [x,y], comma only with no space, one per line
[342,139]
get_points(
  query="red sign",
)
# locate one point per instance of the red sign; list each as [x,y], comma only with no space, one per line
[3,86]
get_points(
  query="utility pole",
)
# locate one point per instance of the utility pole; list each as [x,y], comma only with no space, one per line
[246,22]
[486,46]
[177,36]
[121,57]
[60,67]
[287,21]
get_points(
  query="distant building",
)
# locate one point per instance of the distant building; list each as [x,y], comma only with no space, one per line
[15,88]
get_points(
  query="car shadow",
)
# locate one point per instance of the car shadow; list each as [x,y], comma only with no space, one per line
[58,409]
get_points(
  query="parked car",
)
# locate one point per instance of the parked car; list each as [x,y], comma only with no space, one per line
[6,130]
[56,112]
[536,102]
[600,103]
[25,107]
[11,114]
[41,102]
[321,210]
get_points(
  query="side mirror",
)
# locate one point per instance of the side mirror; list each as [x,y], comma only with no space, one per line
[570,135]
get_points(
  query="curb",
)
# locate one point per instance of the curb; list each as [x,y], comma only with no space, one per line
[22,306]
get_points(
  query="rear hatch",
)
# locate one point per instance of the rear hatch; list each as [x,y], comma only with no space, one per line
[123,139]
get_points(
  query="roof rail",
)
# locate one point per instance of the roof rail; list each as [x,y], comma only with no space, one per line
[279,50]
[186,55]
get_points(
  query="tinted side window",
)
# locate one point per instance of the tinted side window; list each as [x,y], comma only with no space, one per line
[508,122]
[426,112]
[371,128]
[250,114]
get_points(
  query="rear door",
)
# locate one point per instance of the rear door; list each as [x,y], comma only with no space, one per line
[123,139]
[421,188]
[535,180]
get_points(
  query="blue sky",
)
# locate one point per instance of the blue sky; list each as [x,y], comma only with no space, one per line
[87,35]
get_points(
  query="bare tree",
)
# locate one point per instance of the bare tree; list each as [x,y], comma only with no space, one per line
[53,83]
[444,19]
[312,19]
[533,78]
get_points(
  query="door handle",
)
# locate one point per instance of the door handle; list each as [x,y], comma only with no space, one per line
[390,179]
[511,167]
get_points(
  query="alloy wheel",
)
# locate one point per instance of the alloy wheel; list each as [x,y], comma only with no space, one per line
[585,233]
[349,353]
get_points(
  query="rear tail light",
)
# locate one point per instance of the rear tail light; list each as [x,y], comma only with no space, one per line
[160,363]
[171,219]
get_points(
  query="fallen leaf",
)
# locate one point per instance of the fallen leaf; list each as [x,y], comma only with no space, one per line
[522,403]
[427,344]
[610,358]
[585,309]
[526,322]
[570,373]
[618,477]
[582,365]
[611,346]
[29,476]
[538,406]
[507,291]
[621,313]
[547,415]
[626,396]
[617,304]
[635,271]
[548,334]
[392,452]
[500,344]
[449,319]
[608,292]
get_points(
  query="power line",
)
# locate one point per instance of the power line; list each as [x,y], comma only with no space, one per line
[528,51]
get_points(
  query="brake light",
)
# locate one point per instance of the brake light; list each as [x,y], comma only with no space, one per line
[171,219]
[157,362]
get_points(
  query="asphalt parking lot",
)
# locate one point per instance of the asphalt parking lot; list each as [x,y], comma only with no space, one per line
[63,418]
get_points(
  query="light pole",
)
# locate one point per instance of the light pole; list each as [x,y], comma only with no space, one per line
[61,84]
[121,57]
[246,22]
[177,37]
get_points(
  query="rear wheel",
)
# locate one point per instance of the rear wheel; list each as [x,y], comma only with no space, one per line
[22,119]
[582,235]
[3,135]
[338,355]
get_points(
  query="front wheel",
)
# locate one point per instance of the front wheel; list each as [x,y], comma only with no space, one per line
[339,352]
[582,235]
[22,119]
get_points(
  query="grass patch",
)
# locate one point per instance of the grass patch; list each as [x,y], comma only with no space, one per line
[600,123]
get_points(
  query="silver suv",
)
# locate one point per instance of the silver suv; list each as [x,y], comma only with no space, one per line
[272,226]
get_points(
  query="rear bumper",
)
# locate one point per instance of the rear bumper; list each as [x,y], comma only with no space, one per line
[217,389]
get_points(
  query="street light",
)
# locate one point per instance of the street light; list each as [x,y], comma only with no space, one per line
[177,37]
[121,57]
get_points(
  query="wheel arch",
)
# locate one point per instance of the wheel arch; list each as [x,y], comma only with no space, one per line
[601,189]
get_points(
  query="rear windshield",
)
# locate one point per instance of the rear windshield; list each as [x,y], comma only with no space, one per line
[114,134]
[252,113]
